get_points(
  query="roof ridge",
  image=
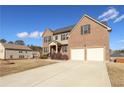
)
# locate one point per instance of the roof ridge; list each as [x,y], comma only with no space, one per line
[15,46]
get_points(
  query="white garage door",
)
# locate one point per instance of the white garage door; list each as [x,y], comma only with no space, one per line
[77,54]
[95,54]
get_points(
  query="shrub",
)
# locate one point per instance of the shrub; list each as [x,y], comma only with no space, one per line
[58,56]
[44,56]
[53,56]
[64,57]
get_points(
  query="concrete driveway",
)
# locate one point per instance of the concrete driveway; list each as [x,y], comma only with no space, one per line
[62,74]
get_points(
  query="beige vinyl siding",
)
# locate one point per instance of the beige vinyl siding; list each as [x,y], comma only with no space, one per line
[59,39]
[15,54]
[2,51]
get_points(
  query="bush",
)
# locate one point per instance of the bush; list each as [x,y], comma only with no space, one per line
[53,56]
[44,56]
[58,56]
[64,57]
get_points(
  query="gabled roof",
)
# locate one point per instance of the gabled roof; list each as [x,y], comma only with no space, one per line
[15,47]
[46,30]
[69,28]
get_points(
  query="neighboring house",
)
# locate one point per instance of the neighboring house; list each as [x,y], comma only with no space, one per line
[88,40]
[12,51]
[117,55]
[36,54]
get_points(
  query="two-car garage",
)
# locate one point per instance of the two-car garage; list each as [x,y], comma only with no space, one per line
[77,54]
[88,54]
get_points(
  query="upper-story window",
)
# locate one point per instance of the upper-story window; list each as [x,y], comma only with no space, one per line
[56,37]
[64,36]
[47,39]
[67,36]
[85,29]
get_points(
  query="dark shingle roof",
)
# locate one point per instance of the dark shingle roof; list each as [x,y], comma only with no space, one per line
[13,46]
[64,29]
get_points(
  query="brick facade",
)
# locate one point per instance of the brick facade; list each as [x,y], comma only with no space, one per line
[98,36]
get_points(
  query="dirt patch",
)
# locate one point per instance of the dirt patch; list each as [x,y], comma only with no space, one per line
[14,66]
[117,59]
[116,74]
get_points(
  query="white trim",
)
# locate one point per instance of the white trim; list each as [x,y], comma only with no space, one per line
[52,43]
[97,21]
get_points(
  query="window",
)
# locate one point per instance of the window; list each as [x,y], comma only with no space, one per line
[44,39]
[67,36]
[47,39]
[64,48]
[20,51]
[85,29]
[64,36]
[46,50]
[21,56]
[56,37]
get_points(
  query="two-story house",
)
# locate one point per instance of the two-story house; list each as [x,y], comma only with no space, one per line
[87,40]
[12,51]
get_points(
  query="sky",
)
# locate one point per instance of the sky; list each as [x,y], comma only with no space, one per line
[29,22]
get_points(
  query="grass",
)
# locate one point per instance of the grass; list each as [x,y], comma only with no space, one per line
[14,66]
[116,74]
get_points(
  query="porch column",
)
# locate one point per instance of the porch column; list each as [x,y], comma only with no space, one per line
[49,48]
[56,48]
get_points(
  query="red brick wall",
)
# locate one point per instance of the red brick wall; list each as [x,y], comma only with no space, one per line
[98,37]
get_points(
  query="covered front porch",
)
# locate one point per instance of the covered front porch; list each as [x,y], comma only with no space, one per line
[55,50]
[54,47]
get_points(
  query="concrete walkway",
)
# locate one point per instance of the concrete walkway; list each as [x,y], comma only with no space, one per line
[63,74]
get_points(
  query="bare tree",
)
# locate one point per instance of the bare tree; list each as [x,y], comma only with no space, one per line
[19,42]
[3,41]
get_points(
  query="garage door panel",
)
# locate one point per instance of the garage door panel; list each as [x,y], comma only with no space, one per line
[95,54]
[77,54]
